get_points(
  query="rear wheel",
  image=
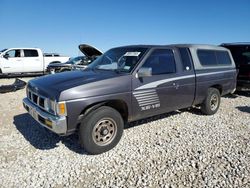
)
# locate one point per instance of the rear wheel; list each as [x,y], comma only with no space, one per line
[101,130]
[212,102]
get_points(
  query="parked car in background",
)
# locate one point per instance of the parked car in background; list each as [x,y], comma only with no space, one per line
[1,51]
[241,55]
[127,84]
[26,60]
[80,62]
[51,55]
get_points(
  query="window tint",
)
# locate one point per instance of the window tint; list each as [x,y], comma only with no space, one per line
[207,57]
[214,57]
[161,61]
[223,58]
[14,53]
[30,53]
[186,59]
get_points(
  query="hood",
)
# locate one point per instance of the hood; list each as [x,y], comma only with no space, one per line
[52,85]
[89,51]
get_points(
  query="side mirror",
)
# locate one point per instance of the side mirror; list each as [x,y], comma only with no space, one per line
[144,72]
[6,56]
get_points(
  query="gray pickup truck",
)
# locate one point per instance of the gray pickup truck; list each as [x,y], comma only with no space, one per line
[127,84]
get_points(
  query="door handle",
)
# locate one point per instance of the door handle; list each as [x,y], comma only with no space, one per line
[176,85]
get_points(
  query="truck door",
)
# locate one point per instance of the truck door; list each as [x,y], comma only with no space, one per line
[12,61]
[32,61]
[167,89]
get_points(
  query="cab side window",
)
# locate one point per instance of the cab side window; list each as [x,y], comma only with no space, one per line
[161,61]
[30,53]
[14,53]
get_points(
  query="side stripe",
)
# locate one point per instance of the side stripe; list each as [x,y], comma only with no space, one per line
[159,82]
[211,73]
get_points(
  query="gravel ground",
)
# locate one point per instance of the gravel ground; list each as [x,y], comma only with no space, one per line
[178,149]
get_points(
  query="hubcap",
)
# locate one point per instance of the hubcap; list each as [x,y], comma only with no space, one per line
[104,131]
[214,102]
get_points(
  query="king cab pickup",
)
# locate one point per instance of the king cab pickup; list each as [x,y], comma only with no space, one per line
[26,60]
[127,84]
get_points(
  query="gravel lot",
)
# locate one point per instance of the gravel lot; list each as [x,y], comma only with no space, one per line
[178,149]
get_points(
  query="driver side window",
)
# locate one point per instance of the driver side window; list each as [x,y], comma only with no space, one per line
[161,61]
[14,53]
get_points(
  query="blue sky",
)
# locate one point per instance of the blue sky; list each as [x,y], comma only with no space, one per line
[61,25]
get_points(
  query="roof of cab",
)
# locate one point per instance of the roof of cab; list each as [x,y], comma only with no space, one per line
[23,48]
[196,46]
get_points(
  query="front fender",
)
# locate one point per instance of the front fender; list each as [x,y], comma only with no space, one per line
[78,108]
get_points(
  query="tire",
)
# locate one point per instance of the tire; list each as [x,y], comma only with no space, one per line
[212,102]
[101,130]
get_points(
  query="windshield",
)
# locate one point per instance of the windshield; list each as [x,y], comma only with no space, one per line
[76,60]
[122,59]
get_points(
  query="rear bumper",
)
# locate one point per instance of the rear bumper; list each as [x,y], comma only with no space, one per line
[56,124]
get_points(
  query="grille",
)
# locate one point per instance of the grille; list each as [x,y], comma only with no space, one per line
[41,102]
[36,99]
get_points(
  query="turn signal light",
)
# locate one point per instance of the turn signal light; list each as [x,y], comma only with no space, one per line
[61,109]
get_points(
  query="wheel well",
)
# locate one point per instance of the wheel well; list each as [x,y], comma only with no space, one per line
[119,105]
[53,62]
[219,87]
[1,71]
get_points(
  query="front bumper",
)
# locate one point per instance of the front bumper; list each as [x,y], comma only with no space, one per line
[56,124]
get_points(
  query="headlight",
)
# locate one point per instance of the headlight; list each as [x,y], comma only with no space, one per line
[50,106]
[57,108]
[61,109]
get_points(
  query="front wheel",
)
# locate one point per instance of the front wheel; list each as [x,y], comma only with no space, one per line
[212,102]
[101,130]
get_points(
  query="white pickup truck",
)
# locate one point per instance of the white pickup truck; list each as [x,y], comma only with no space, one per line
[26,60]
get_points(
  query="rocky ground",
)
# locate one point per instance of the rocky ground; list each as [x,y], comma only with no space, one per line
[178,149]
